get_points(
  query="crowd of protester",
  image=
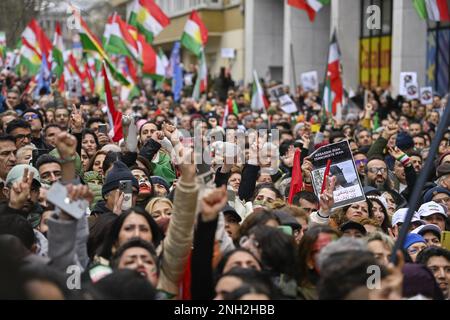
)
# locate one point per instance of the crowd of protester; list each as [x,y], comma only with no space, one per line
[235,237]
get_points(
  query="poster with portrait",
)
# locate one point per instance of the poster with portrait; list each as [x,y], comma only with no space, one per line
[408,80]
[286,104]
[348,188]
[310,81]
[426,95]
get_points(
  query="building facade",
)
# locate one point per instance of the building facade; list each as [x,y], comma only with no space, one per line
[280,43]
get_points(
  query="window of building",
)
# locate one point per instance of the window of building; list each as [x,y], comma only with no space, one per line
[376,46]
[438,56]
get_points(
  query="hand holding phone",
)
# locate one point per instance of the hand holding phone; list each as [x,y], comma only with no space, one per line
[126,188]
[58,196]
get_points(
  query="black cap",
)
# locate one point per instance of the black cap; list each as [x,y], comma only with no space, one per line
[287,220]
[353,225]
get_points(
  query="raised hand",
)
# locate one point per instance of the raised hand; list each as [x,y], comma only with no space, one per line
[395,152]
[289,157]
[306,140]
[118,201]
[171,133]
[158,136]
[391,130]
[66,144]
[213,202]
[103,139]
[79,192]
[307,167]
[76,120]
[368,110]
[20,191]
[326,199]
[185,161]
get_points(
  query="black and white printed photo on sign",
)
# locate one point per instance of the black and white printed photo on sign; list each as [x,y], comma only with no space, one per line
[348,188]
[407,80]
[309,81]
[278,94]
[426,95]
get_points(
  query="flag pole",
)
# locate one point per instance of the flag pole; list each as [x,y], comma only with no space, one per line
[422,179]
[293,67]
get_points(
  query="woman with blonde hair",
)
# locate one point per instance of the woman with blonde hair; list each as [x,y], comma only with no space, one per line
[160,209]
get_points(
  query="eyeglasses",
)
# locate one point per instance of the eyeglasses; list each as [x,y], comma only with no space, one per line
[22,136]
[29,117]
[376,170]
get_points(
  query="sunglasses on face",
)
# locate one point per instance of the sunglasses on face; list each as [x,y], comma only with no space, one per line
[29,117]
[361,162]
[22,136]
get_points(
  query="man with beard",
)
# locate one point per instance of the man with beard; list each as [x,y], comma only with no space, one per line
[22,193]
[377,174]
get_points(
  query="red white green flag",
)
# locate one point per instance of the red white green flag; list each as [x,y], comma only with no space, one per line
[333,95]
[435,10]
[201,84]
[310,6]
[114,116]
[259,100]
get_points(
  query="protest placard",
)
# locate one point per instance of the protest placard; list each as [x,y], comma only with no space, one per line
[426,95]
[348,187]
[407,79]
[286,103]
[310,81]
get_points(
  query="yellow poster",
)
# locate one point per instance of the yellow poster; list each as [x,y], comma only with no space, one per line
[375,61]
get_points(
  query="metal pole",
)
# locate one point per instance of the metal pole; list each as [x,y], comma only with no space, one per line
[424,174]
[293,68]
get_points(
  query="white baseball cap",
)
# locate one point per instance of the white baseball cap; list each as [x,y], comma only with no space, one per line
[430,208]
[400,215]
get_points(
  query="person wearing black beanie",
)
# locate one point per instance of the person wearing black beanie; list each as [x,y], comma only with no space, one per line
[117,173]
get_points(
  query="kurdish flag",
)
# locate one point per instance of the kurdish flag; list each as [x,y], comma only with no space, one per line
[259,100]
[36,37]
[195,34]
[436,10]
[35,45]
[310,6]
[148,18]
[91,44]
[333,94]
[57,52]
[119,40]
[29,58]
[153,65]
[201,84]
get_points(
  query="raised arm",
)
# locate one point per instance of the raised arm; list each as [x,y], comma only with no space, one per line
[178,242]
[202,286]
